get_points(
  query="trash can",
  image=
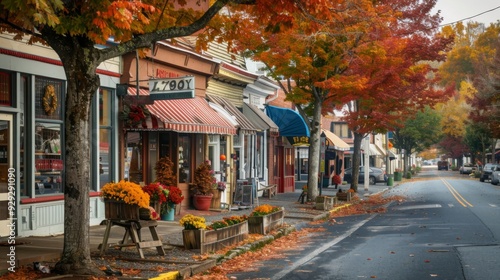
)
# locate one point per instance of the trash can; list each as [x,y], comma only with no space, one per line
[398,176]
[390,180]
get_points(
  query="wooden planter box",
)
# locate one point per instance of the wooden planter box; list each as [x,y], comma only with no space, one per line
[345,196]
[119,210]
[213,240]
[264,224]
[325,202]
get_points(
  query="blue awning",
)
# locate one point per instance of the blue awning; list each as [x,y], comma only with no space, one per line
[289,122]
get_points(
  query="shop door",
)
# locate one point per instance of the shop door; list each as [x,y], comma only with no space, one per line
[6,170]
[279,168]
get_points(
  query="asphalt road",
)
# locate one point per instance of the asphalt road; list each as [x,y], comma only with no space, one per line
[447,228]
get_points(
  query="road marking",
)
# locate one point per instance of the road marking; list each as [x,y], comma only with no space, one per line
[492,205]
[321,249]
[456,195]
[451,205]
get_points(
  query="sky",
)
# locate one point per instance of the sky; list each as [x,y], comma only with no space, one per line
[456,10]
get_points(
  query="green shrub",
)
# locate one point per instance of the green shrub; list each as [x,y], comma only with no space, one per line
[408,175]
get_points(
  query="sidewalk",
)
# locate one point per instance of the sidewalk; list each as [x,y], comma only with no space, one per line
[49,248]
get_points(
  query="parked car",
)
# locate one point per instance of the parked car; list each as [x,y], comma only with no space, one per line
[467,168]
[488,169]
[376,175]
[443,164]
[495,177]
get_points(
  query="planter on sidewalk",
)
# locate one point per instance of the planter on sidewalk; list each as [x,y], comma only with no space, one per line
[344,196]
[213,240]
[265,224]
[324,202]
[398,176]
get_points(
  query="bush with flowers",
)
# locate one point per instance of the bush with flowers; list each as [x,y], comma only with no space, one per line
[157,192]
[264,209]
[174,197]
[336,180]
[221,186]
[128,192]
[190,221]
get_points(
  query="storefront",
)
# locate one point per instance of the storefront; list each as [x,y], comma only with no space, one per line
[188,130]
[293,131]
[32,90]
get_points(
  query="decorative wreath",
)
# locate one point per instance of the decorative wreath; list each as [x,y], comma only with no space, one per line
[49,100]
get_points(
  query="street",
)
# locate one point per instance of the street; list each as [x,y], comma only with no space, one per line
[446,228]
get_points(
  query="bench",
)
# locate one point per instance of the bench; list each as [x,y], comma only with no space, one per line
[268,191]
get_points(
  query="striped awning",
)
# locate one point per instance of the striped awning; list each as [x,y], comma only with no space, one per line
[258,117]
[245,125]
[192,115]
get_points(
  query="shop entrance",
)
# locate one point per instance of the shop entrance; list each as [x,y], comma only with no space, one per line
[5,170]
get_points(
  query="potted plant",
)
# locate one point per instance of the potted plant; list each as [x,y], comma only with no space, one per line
[191,234]
[336,180]
[157,195]
[123,200]
[203,184]
[174,197]
[165,172]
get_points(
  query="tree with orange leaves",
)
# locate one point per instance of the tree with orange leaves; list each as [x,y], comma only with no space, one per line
[363,54]
[73,29]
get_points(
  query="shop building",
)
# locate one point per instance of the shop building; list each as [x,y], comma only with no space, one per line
[32,90]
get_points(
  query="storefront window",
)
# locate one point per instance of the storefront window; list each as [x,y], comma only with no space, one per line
[184,158]
[49,165]
[133,157]
[289,171]
[5,89]
[259,155]
[105,132]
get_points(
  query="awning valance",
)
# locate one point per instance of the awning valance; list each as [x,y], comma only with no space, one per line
[290,123]
[392,156]
[335,142]
[260,119]
[245,125]
[192,115]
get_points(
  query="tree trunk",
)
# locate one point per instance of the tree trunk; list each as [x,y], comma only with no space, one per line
[82,84]
[314,152]
[356,156]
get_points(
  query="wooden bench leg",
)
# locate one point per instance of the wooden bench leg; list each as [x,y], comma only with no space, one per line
[135,238]
[155,236]
[104,244]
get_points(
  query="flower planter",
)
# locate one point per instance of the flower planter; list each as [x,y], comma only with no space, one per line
[202,202]
[264,224]
[345,196]
[191,238]
[119,210]
[214,240]
[168,216]
[324,202]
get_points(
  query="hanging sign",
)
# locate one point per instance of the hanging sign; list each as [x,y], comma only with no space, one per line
[171,88]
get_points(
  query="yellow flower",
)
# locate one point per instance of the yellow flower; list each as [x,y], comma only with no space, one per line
[129,192]
[190,221]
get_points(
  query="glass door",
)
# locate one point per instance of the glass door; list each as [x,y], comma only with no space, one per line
[7,177]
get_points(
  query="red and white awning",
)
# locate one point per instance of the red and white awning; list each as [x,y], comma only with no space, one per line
[192,115]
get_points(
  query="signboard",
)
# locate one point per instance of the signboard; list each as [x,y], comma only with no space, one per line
[243,195]
[171,88]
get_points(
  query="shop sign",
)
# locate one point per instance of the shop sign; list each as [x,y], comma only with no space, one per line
[171,88]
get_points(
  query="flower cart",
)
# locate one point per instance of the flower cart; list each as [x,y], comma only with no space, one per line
[123,202]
